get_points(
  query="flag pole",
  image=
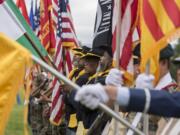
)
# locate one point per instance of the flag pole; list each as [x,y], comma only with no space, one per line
[34,46]
[118,40]
[39,52]
[146,116]
[75,86]
[29,38]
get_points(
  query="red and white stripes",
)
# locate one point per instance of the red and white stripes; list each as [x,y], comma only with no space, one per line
[65,38]
[128,18]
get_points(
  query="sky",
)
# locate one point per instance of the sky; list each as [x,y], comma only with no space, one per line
[83,14]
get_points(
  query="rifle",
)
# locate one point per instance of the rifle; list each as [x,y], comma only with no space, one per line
[48,92]
[37,91]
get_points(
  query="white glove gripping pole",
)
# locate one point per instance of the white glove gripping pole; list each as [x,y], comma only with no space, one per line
[101,106]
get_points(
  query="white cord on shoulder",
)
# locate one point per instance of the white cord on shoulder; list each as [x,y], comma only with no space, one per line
[148,100]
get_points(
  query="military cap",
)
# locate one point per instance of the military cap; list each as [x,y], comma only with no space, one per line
[94,53]
[136,50]
[77,51]
[167,52]
[85,49]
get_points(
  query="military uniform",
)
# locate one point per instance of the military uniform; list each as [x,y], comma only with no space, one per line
[35,113]
[71,117]
[47,127]
[165,82]
[36,108]
[98,77]
[78,76]
[88,116]
[165,125]
[39,120]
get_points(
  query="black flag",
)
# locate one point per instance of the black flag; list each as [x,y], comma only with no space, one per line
[103,24]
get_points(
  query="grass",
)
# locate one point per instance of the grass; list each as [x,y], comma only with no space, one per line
[15,123]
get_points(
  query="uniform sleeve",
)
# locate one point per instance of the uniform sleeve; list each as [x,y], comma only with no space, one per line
[165,104]
[161,102]
[123,96]
[136,101]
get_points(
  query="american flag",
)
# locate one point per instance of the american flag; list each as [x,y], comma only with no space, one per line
[37,19]
[127,24]
[65,38]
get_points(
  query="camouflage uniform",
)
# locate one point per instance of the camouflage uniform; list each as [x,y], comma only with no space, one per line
[47,129]
[35,113]
[39,123]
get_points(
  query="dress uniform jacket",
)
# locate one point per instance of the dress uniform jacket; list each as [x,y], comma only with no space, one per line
[162,102]
[81,80]
[156,124]
[88,116]
[72,106]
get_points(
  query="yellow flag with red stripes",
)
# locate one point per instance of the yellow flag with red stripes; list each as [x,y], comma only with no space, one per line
[159,24]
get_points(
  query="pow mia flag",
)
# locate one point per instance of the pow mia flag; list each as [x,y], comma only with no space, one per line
[103,24]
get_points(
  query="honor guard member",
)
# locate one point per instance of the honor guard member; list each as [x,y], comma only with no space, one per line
[76,73]
[80,77]
[165,82]
[138,100]
[100,70]
[78,63]
[165,79]
[150,101]
[91,60]
[104,65]
[172,126]
[136,59]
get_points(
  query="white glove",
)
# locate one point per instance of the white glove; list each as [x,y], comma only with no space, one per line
[144,81]
[91,95]
[114,77]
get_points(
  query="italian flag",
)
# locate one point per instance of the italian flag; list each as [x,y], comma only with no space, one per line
[14,26]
